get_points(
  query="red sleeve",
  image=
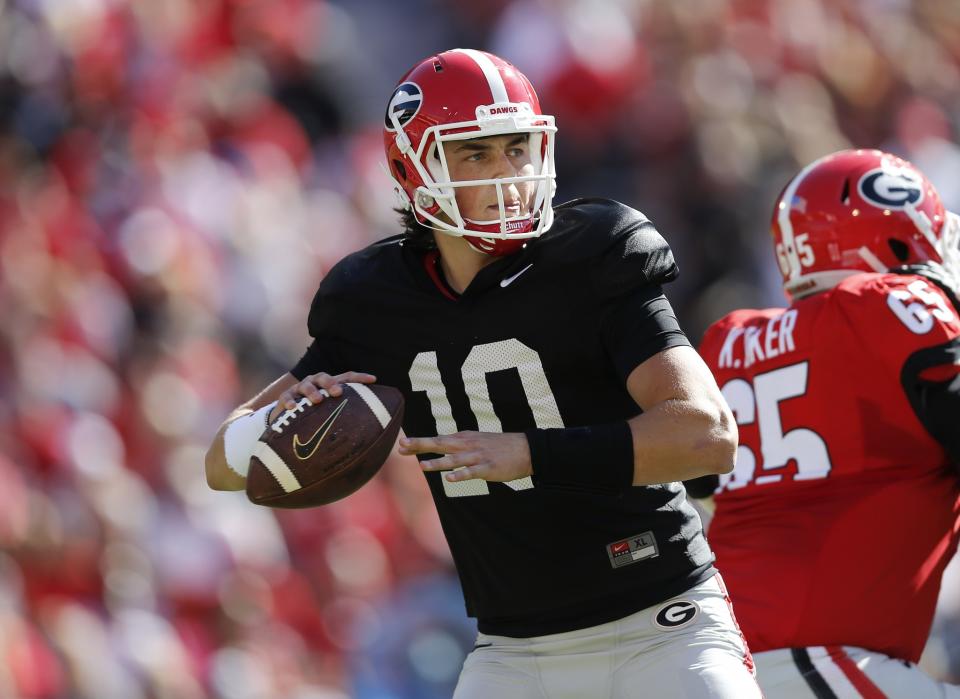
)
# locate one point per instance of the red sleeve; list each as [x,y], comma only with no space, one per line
[914,331]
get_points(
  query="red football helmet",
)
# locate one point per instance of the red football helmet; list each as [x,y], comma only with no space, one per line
[457,95]
[857,211]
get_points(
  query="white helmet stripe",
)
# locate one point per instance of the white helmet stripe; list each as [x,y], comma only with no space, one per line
[783,219]
[867,256]
[497,88]
[922,222]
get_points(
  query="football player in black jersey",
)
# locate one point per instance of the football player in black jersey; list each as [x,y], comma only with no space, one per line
[551,397]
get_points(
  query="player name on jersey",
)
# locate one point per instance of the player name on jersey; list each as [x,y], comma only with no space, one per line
[743,347]
[830,440]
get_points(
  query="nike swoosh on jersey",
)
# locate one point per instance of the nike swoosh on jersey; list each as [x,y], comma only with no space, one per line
[304,450]
[509,280]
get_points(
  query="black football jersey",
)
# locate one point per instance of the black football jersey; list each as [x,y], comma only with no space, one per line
[542,338]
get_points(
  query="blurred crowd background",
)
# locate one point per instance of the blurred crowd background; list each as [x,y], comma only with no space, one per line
[176,176]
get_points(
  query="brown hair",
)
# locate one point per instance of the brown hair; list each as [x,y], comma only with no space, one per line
[416,234]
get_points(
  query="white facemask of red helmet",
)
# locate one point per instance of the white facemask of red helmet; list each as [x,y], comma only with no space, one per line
[458,95]
[858,211]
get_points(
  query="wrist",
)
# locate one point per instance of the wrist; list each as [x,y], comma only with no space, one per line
[596,455]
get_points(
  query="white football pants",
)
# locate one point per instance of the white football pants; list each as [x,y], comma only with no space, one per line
[688,647]
[844,672]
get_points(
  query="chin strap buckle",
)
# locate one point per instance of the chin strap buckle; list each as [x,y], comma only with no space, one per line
[403,143]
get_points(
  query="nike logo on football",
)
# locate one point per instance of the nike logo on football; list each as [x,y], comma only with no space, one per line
[304,450]
[509,280]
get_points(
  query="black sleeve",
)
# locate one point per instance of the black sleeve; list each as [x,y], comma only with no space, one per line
[634,255]
[629,261]
[323,354]
[317,358]
[935,403]
[703,486]
[638,326]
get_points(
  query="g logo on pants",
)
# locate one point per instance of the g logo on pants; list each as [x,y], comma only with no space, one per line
[677,614]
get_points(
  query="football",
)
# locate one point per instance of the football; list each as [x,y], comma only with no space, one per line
[314,454]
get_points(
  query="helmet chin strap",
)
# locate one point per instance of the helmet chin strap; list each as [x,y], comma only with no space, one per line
[495,247]
[503,223]
[519,222]
[402,140]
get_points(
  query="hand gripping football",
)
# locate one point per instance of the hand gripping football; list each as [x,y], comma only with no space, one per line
[316,454]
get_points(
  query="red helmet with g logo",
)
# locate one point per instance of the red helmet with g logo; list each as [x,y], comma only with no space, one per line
[856,211]
[457,95]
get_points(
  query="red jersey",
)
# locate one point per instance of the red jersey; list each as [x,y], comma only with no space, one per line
[842,511]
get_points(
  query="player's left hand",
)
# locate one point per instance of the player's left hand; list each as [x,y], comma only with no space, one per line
[492,456]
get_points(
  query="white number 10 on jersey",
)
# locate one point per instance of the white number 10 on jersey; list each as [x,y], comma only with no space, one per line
[482,360]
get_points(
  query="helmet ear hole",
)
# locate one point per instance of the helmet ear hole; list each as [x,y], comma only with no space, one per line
[899,249]
[400,170]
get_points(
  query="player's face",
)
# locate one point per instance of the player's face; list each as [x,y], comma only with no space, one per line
[488,158]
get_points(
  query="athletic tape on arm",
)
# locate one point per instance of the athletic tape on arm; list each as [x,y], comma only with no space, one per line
[241,437]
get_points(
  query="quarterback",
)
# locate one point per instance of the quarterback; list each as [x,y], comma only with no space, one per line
[551,397]
[835,527]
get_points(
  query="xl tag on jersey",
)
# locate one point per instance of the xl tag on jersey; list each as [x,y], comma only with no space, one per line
[632,549]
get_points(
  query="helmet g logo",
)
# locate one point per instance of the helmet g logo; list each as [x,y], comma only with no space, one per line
[891,189]
[676,614]
[404,105]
